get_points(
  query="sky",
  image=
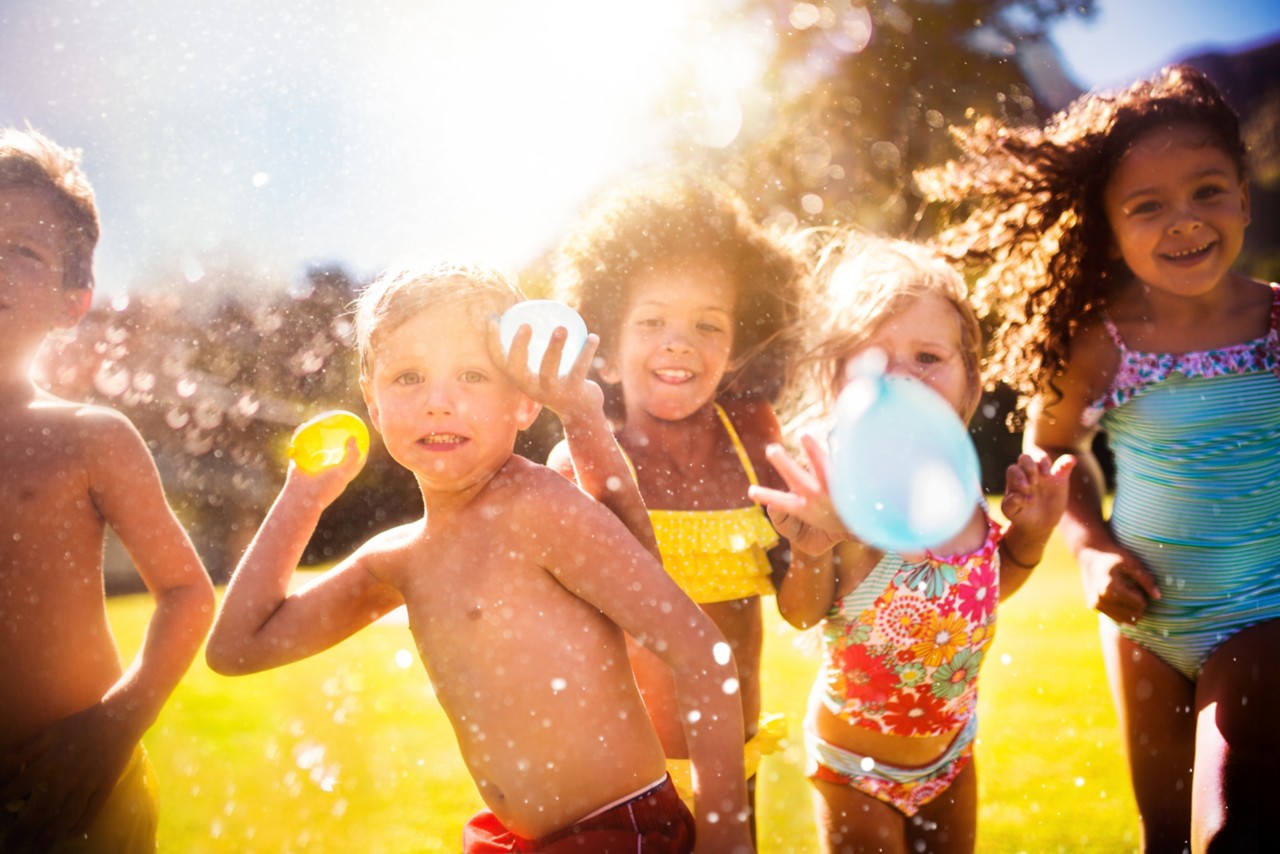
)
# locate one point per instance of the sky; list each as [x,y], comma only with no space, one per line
[263,135]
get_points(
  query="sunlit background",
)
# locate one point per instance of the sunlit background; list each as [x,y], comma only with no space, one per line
[256,161]
[266,134]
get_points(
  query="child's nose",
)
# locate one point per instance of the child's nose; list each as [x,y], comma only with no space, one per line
[676,339]
[439,399]
[1185,222]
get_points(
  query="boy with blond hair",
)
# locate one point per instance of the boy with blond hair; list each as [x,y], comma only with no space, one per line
[519,587]
[73,775]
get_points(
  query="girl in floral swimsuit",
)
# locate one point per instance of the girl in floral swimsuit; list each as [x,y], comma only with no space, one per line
[892,719]
[693,302]
[1127,317]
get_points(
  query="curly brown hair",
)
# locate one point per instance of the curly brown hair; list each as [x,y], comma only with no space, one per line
[653,221]
[1036,229]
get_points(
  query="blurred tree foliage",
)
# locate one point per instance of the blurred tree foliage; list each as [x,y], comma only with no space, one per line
[217,390]
[863,93]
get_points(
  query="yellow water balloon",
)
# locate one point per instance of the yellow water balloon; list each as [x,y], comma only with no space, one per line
[321,442]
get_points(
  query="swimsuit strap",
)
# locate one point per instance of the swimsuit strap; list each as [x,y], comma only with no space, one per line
[1275,306]
[743,458]
[1113,332]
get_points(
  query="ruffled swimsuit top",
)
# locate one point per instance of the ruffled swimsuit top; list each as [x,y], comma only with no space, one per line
[902,650]
[717,555]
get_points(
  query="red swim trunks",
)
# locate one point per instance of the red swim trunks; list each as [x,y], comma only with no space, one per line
[655,821]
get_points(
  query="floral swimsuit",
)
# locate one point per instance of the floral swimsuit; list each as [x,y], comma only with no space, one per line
[902,655]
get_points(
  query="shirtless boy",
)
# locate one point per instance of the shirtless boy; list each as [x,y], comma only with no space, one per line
[73,776]
[519,589]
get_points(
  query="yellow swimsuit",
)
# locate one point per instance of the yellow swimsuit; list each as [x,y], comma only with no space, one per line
[717,555]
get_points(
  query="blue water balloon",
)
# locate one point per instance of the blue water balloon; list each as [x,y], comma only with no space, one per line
[543,316]
[903,474]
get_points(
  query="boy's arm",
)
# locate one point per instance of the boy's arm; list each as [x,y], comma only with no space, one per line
[590,453]
[74,764]
[1034,497]
[260,624]
[645,603]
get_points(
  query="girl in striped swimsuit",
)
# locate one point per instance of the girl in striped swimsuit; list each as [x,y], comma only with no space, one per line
[1118,225]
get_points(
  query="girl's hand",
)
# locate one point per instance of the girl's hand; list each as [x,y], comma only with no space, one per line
[1035,493]
[805,514]
[1116,583]
[571,396]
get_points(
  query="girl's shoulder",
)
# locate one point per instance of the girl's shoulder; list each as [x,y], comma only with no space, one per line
[753,418]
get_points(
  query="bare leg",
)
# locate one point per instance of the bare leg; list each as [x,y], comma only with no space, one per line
[850,822]
[949,823]
[1236,804]
[1154,703]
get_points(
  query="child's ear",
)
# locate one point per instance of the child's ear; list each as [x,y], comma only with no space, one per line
[526,412]
[75,305]
[608,371]
[370,402]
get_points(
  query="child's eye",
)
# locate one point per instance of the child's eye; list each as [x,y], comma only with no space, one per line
[1209,192]
[472,377]
[1146,207]
[650,322]
[709,327]
[408,378]
[928,358]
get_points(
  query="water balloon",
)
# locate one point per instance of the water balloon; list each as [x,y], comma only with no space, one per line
[322,442]
[543,316]
[904,474]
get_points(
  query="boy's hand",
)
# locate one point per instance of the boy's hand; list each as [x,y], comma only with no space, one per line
[805,514]
[571,396]
[53,786]
[326,485]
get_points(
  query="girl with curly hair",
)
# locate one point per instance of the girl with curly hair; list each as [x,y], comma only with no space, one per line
[693,301]
[1108,238]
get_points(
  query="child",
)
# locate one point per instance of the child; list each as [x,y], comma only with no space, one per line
[1117,226]
[73,775]
[692,299]
[892,719]
[518,587]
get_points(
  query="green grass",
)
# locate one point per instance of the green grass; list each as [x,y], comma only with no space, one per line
[348,751]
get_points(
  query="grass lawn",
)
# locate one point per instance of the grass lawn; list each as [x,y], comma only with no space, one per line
[349,752]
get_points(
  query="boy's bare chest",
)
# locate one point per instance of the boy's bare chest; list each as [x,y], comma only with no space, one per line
[39,482]
[488,602]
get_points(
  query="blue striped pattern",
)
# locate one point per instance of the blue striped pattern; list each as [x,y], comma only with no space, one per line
[1198,500]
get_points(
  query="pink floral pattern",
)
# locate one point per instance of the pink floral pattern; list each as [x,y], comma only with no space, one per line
[1140,370]
[907,665]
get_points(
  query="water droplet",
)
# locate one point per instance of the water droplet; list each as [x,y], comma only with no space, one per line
[722,653]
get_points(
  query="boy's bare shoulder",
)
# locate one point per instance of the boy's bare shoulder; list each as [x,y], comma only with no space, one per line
[528,487]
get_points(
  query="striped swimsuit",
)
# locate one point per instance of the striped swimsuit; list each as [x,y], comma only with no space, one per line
[1196,439]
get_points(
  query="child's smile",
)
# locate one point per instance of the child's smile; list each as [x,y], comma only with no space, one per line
[1178,208]
[676,339]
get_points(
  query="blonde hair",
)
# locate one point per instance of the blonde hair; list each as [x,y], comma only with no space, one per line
[860,281]
[30,160]
[398,295]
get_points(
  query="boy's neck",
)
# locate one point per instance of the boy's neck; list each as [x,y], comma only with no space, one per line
[440,505]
